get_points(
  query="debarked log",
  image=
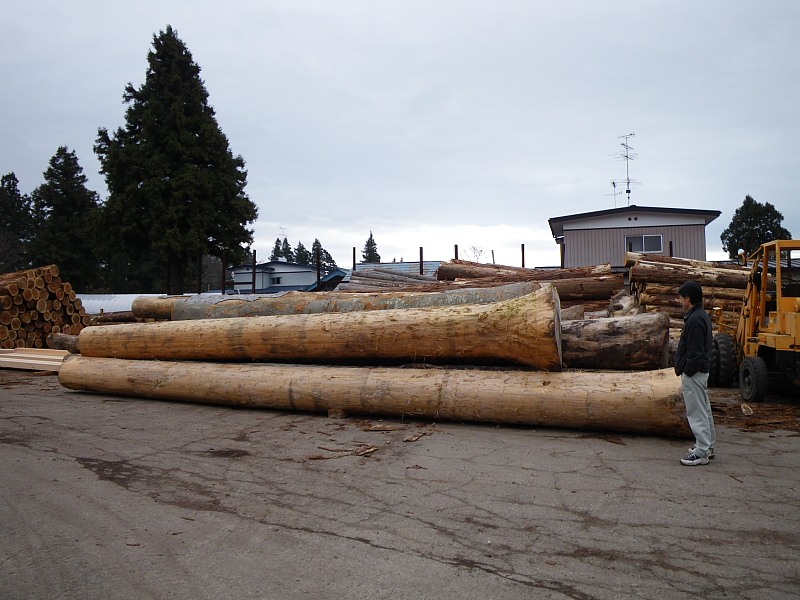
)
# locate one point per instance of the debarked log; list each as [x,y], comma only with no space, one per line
[217,306]
[463,269]
[626,343]
[643,402]
[525,330]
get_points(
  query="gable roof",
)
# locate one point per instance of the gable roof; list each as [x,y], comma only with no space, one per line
[557,223]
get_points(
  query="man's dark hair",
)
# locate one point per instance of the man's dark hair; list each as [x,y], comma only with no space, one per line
[692,291]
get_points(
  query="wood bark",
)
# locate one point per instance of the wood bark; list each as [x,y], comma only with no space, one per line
[635,342]
[524,330]
[678,274]
[709,302]
[643,402]
[217,306]
[465,269]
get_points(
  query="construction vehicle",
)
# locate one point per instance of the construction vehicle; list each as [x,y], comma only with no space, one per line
[763,347]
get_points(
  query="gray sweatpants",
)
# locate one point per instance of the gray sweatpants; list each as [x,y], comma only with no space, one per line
[698,411]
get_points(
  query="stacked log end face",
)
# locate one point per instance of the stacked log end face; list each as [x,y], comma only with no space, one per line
[655,281]
[34,303]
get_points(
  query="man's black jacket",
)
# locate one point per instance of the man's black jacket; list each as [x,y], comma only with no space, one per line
[694,348]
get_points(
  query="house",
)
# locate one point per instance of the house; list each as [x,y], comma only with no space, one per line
[605,236]
[274,276]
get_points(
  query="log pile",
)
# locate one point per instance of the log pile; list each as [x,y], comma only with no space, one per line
[34,303]
[655,279]
[370,279]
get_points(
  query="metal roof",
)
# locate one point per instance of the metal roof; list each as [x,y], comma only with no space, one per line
[557,223]
[106,303]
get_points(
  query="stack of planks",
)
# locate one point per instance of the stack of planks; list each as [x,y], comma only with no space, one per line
[36,302]
[655,279]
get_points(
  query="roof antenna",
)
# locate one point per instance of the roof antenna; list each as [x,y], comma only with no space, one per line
[627,156]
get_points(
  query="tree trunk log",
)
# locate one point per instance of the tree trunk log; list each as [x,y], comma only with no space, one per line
[645,402]
[629,343]
[217,306]
[679,274]
[524,330]
[709,291]
[631,258]
[467,270]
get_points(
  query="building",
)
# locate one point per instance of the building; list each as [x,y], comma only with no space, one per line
[274,276]
[605,236]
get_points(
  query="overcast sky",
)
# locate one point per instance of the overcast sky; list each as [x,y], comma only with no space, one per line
[434,123]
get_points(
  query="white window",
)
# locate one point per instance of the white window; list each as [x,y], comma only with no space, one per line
[275,280]
[643,243]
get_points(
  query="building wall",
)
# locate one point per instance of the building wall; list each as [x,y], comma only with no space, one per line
[585,247]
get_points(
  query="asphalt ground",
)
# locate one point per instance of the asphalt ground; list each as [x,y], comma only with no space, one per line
[110,497]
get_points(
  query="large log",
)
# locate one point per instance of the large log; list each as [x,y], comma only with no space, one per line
[524,330]
[216,306]
[677,274]
[464,269]
[643,402]
[624,343]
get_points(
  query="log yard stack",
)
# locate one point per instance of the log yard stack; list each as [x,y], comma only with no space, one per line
[34,303]
[487,352]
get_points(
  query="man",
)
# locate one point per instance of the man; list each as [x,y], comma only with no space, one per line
[692,363]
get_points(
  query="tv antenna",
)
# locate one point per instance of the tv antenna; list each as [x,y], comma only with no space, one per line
[283,232]
[627,156]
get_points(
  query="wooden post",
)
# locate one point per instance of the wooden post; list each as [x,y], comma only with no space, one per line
[254,270]
[420,260]
[523,255]
[493,257]
[319,259]
[647,402]
[354,259]
[456,251]
[200,274]
[224,260]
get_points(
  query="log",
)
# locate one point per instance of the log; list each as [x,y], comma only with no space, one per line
[216,306]
[632,257]
[678,274]
[643,402]
[465,269]
[635,342]
[672,290]
[524,330]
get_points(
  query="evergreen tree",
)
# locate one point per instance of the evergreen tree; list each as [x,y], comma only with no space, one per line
[286,250]
[65,226]
[16,224]
[753,224]
[277,250]
[174,186]
[327,264]
[370,252]
[301,255]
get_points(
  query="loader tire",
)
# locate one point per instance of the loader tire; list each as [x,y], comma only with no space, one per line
[726,360]
[753,379]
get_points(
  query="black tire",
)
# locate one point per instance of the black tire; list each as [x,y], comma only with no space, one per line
[713,370]
[726,360]
[753,379]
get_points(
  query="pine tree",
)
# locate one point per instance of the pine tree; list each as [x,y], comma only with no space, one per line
[370,252]
[65,223]
[16,224]
[327,264]
[753,224]
[174,186]
[301,255]
[286,250]
[277,251]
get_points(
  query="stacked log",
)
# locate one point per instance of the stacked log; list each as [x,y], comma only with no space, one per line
[34,303]
[655,280]
[370,279]
[462,269]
